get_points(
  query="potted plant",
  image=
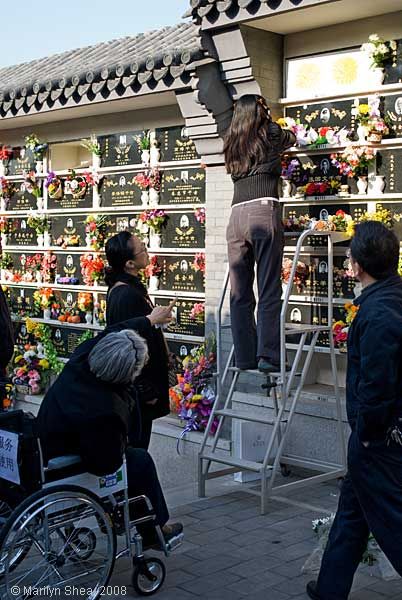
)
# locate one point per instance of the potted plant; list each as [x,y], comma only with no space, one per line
[153,220]
[354,161]
[381,53]
[43,299]
[144,146]
[142,181]
[153,271]
[7,189]
[41,225]
[6,154]
[92,268]
[54,186]
[6,264]
[154,187]
[75,185]
[34,187]
[86,305]
[39,150]
[94,148]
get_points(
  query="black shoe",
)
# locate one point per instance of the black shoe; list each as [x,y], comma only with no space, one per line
[267,367]
[311,590]
[168,531]
[171,531]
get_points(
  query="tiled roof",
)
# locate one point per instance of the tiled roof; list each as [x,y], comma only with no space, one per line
[201,8]
[144,59]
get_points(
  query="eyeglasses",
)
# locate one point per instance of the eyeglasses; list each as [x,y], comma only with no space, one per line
[143,249]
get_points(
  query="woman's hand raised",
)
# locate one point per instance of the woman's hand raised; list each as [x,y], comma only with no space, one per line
[162,315]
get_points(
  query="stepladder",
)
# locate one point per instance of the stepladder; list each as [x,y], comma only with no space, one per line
[285,388]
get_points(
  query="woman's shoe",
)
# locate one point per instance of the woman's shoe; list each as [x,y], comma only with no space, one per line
[311,590]
[267,367]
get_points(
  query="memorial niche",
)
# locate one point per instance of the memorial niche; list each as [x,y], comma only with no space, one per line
[71,199]
[392,107]
[119,189]
[179,274]
[68,269]
[336,114]
[317,314]
[65,340]
[396,209]
[68,230]
[21,234]
[183,186]
[120,149]
[393,73]
[389,164]
[174,145]
[22,161]
[183,231]
[21,199]
[183,325]
[316,284]
[21,302]
[179,350]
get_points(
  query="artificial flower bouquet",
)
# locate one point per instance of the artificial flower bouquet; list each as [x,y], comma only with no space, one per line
[6,154]
[296,224]
[197,313]
[381,53]
[48,267]
[85,302]
[328,187]
[301,274]
[381,215]
[200,215]
[31,369]
[92,268]
[142,181]
[153,269]
[96,227]
[7,188]
[38,222]
[7,226]
[354,161]
[54,186]
[75,184]
[44,298]
[144,140]
[340,329]
[342,222]
[199,262]
[152,219]
[92,145]
[33,184]
[155,180]
[193,397]
[38,148]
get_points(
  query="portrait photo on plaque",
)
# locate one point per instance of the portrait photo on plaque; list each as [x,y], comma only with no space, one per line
[337,114]
[392,106]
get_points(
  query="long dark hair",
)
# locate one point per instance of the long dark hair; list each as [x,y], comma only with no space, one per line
[119,250]
[247,139]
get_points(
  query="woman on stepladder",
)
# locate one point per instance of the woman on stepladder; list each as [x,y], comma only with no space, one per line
[253,148]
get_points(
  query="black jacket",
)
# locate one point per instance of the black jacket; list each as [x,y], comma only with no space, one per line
[6,334]
[374,375]
[83,415]
[129,301]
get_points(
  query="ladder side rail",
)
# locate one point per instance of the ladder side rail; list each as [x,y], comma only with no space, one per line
[222,417]
[297,359]
[218,322]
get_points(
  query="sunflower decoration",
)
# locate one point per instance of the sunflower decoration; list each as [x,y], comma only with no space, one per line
[345,70]
[307,75]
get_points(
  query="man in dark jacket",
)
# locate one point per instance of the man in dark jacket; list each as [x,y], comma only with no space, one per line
[371,496]
[89,409]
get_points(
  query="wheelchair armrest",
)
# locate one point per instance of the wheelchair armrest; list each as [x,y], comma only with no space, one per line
[61,462]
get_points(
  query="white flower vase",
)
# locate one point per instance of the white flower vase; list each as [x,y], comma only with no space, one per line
[284,288]
[153,197]
[39,167]
[362,132]
[39,203]
[362,185]
[155,241]
[88,240]
[88,318]
[4,239]
[378,76]
[38,277]
[47,239]
[96,161]
[3,201]
[96,197]
[47,313]
[154,157]
[145,157]
[144,198]
[40,240]
[2,169]
[2,274]
[153,283]
[377,184]
[286,188]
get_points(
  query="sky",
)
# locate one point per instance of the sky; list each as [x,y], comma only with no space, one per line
[37,28]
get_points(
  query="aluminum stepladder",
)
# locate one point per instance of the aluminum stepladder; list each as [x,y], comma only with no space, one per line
[289,384]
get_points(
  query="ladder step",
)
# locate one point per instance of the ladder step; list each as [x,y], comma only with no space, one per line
[234,414]
[295,328]
[247,465]
[275,375]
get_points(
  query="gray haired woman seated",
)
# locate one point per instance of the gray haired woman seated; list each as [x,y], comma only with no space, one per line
[90,410]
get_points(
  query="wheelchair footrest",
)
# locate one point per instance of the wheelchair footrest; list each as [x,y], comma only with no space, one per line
[175,542]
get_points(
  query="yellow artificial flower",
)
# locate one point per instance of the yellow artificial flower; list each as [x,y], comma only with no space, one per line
[44,363]
[30,325]
[18,358]
[196,398]
[364,109]
[282,122]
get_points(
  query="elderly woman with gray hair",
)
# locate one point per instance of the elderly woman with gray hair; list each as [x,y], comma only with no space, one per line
[89,409]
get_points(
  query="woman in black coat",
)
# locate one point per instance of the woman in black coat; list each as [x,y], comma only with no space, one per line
[128,298]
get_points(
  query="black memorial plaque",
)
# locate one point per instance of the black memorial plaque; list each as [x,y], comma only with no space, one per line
[183,231]
[119,189]
[175,146]
[180,349]
[120,149]
[393,73]
[325,169]
[396,209]
[183,186]
[22,234]
[68,226]
[389,164]
[336,114]
[22,337]
[21,199]
[316,314]
[68,265]
[21,302]
[392,107]
[68,201]
[184,325]
[65,340]
[179,274]
[23,162]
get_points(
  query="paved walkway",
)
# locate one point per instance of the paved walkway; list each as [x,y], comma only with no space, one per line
[232,552]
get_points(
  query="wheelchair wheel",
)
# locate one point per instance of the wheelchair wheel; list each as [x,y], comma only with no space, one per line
[148,576]
[5,513]
[71,539]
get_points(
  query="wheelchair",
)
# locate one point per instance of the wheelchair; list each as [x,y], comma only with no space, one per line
[60,526]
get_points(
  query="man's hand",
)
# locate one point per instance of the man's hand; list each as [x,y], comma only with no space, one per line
[162,315]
